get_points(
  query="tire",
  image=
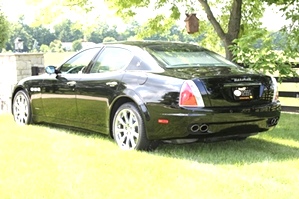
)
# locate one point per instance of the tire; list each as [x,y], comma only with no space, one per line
[129,130]
[21,108]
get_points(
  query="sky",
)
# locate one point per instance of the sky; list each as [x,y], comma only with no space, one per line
[272,19]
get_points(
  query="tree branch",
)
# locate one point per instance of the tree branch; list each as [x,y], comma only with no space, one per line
[212,19]
[234,20]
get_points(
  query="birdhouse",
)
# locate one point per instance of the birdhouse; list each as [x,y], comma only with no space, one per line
[192,23]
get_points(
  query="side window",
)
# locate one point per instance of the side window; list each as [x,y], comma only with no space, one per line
[77,63]
[112,59]
[138,64]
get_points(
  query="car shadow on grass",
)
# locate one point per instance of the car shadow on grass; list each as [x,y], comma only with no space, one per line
[76,130]
[251,150]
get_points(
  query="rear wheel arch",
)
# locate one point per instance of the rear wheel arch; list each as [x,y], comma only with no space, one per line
[120,101]
[128,128]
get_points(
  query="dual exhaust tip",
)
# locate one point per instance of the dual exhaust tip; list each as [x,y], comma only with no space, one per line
[204,128]
[199,128]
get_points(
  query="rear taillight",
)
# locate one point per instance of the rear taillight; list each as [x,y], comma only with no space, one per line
[275,89]
[190,95]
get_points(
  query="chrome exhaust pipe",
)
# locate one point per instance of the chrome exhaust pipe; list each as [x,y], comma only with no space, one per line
[203,128]
[194,128]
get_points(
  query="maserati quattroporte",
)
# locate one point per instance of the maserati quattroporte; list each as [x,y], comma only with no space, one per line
[144,92]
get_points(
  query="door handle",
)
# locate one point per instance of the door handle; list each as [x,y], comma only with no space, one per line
[71,83]
[111,84]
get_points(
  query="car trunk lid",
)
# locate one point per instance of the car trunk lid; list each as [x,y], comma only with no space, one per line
[228,86]
[238,90]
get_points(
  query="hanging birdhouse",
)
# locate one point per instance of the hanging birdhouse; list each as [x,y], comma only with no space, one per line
[192,23]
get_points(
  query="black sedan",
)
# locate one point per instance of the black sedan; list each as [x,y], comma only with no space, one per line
[143,92]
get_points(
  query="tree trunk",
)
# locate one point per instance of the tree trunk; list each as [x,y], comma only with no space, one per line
[228,54]
[233,24]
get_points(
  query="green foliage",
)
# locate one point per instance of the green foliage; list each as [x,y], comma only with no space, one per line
[210,39]
[252,12]
[100,30]
[41,34]
[77,45]
[125,9]
[56,46]
[157,25]
[175,12]
[280,2]
[66,31]
[54,8]
[291,29]
[19,30]
[254,46]
[4,30]
[44,48]
[109,39]
[216,38]
[30,35]
[268,52]
[258,51]
[292,14]
[176,33]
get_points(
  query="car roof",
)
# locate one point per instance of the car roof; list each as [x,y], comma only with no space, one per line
[147,43]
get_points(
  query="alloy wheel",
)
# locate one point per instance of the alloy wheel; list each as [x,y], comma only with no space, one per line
[21,109]
[126,129]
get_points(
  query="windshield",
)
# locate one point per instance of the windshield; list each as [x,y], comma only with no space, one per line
[186,55]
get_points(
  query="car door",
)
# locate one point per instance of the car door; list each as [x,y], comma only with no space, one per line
[59,91]
[97,89]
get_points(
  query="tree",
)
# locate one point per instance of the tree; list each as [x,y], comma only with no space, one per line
[276,52]
[77,45]
[32,36]
[20,30]
[100,31]
[237,26]
[291,13]
[56,46]
[44,48]
[265,57]
[66,31]
[234,17]
[109,39]
[50,10]
[4,29]
[41,34]
[233,25]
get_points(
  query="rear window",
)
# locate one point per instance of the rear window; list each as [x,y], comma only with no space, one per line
[186,55]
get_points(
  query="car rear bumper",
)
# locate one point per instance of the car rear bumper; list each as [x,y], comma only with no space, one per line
[212,122]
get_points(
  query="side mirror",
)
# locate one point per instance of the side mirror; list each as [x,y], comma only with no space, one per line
[50,70]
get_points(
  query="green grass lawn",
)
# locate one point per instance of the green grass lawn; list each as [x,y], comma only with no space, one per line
[47,162]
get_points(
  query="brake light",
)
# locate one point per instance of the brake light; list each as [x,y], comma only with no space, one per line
[190,95]
[163,121]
